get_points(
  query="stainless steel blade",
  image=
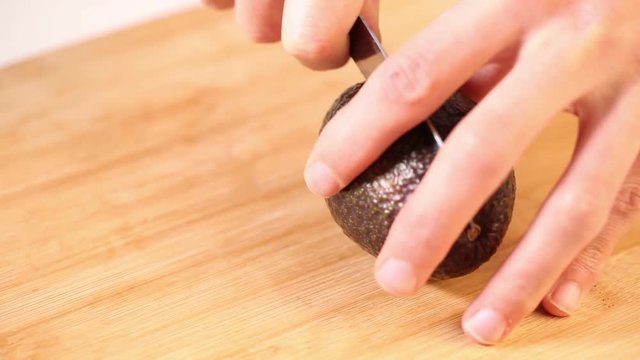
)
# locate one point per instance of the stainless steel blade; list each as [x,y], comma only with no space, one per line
[365,48]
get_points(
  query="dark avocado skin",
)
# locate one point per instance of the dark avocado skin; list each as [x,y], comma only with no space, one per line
[366,208]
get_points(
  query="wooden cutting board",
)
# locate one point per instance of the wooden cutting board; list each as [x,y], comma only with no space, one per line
[153,207]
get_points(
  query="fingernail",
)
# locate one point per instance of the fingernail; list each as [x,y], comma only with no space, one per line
[486,327]
[321,180]
[397,277]
[566,297]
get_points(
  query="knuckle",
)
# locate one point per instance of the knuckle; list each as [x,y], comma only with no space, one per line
[519,292]
[409,78]
[521,288]
[487,158]
[525,13]
[598,44]
[485,165]
[420,239]
[581,211]
[585,42]
[309,47]
[627,202]
[218,4]
[412,219]
[597,34]
[591,259]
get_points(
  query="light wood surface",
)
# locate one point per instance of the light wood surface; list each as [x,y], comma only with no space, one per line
[153,207]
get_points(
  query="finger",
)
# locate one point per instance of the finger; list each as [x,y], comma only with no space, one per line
[576,281]
[219,4]
[571,217]
[487,77]
[405,89]
[484,80]
[261,20]
[315,31]
[475,159]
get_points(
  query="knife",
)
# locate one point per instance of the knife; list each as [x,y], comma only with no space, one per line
[367,52]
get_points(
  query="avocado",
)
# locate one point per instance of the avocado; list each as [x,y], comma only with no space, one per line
[366,208]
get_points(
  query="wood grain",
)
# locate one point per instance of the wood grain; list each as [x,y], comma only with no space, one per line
[154,207]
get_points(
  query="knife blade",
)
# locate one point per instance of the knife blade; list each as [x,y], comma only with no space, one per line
[367,52]
[365,48]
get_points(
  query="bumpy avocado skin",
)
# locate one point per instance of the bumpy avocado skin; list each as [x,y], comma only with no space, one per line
[367,207]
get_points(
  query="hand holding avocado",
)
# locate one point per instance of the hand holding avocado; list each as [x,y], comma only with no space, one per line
[524,61]
[366,208]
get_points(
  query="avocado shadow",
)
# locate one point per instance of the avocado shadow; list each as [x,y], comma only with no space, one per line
[471,284]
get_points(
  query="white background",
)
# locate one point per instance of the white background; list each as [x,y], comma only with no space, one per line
[31,27]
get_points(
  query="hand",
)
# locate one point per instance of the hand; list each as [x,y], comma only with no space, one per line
[527,60]
[542,56]
[314,31]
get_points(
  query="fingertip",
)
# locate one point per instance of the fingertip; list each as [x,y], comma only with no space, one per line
[564,299]
[553,309]
[321,180]
[397,277]
[219,4]
[315,52]
[485,327]
[316,32]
